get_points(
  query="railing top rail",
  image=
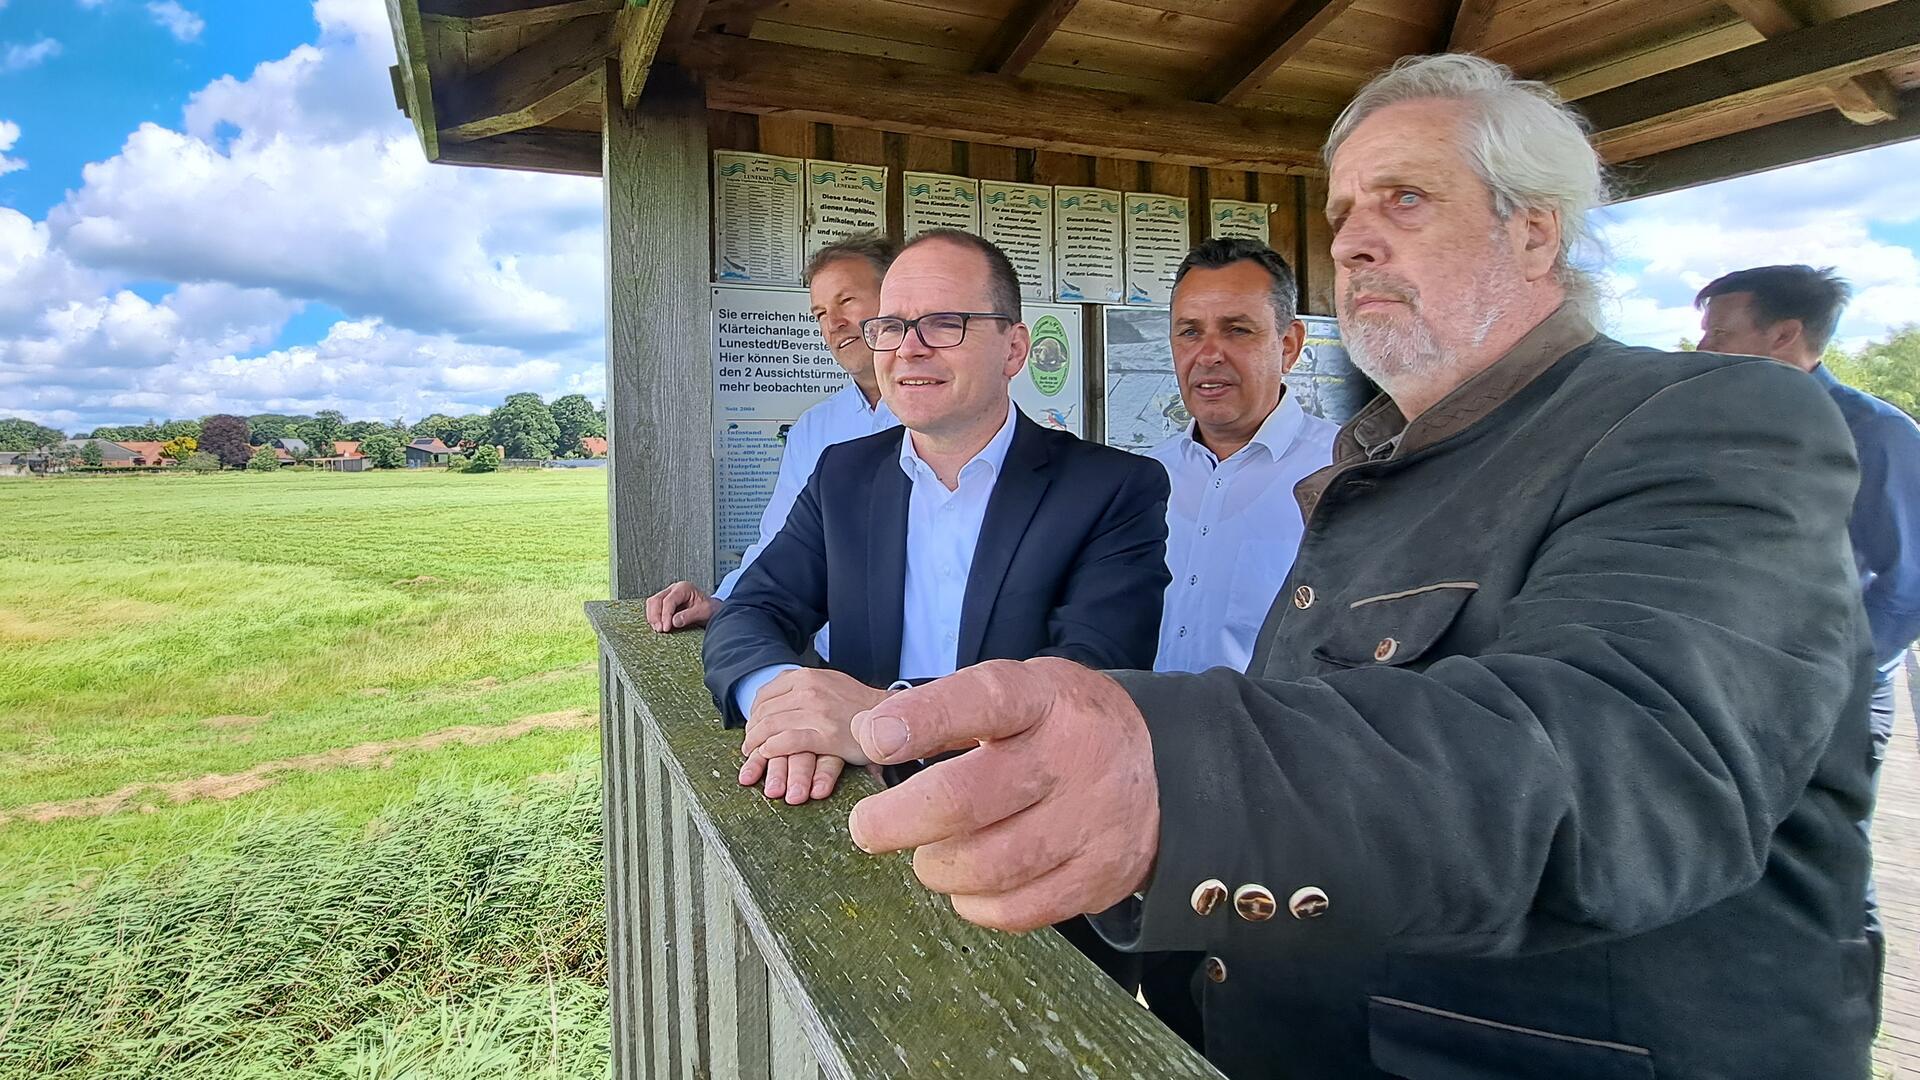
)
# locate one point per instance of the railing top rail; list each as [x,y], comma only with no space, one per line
[889,981]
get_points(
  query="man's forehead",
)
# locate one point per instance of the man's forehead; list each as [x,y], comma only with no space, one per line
[1403,141]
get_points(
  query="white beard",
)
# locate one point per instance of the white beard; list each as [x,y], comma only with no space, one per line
[1398,351]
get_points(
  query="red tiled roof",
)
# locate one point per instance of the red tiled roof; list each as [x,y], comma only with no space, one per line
[594,444]
[347,448]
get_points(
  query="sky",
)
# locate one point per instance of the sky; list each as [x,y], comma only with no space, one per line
[215,206]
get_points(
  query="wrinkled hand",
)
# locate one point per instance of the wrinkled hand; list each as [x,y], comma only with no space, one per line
[680,606]
[1055,814]
[799,735]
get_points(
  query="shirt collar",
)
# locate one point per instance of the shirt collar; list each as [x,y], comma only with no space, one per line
[1277,432]
[992,457]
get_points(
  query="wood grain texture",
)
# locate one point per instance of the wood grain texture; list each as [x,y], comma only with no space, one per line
[1863,99]
[736,985]
[568,153]
[1022,35]
[1468,30]
[410,48]
[694,1061]
[660,487]
[528,87]
[1284,226]
[472,15]
[1290,31]
[883,979]
[1318,241]
[640,29]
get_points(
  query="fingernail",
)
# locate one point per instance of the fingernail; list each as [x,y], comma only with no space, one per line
[886,734]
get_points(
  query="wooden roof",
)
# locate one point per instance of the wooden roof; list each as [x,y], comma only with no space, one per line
[1679,91]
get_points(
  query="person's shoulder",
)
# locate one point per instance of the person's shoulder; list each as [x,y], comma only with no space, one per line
[1867,412]
[1092,461]
[867,448]
[1632,375]
[1167,452]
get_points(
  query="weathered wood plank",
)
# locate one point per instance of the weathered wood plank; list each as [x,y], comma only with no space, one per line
[1284,225]
[641,27]
[787,1044]
[870,960]
[663,1017]
[690,942]
[470,16]
[1471,20]
[660,491]
[1861,99]
[1291,29]
[1022,35]
[764,77]
[569,153]
[410,48]
[1317,276]
[531,86]
[736,984]
[622,985]
[642,919]
[989,162]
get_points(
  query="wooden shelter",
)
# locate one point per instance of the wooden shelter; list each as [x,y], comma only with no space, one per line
[716,971]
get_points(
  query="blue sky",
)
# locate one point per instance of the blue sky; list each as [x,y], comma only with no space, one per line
[213,205]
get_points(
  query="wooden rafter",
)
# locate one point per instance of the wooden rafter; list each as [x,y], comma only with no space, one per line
[471,15]
[1022,35]
[640,31]
[1468,30]
[1281,42]
[733,16]
[1799,60]
[769,78]
[414,83]
[545,79]
[1867,98]
[682,25]
[575,153]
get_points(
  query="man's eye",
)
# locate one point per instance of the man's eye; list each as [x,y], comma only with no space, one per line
[1406,198]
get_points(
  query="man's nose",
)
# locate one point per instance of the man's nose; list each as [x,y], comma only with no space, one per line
[1359,243]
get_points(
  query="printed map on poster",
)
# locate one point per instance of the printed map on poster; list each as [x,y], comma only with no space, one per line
[1328,384]
[1143,395]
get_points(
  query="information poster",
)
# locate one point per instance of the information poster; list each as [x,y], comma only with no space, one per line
[758,217]
[1019,218]
[1052,388]
[937,201]
[1236,220]
[1156,242]
[1324,380]
[844,200]
[1143,394]
[769,366]
[1089,236]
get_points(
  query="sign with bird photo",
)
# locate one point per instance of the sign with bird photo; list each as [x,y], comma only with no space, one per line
[1052,388]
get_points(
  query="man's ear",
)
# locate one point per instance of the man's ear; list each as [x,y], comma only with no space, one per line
[1018,343]
[1291,343]
[1787,334]
[1540,248]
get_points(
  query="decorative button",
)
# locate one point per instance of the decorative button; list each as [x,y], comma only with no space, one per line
[1384,651]
[1255,903]
[1303,597]
[1309,902]
[1208,895]
[1216,969]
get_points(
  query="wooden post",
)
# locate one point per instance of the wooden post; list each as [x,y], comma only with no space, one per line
[659,384]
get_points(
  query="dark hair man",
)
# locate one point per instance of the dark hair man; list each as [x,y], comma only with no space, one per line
[1788,313]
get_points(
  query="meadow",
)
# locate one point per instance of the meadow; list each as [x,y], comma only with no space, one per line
[301,775]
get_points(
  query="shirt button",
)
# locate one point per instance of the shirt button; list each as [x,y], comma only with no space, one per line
[1208,895]
[1203,530]
[1255,903]
[1216,969]
[1216,483]
[1192,578]
[1308,902]
[1303,597]
[1183,632]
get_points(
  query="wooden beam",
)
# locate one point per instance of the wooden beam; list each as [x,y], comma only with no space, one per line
[1283,39]
[1862,100]
[734,17]
[642,25]
[544,79]
[1022,35]
[573,153]
[1790,142]
[660,438]
[682,25]
[769,78]
[410,47]
[1799,60]
[472,15]
[1468,32]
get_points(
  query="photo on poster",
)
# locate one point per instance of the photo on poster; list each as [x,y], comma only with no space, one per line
[1052,388]
[1143,394]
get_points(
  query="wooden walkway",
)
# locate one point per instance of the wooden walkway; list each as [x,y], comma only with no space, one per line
[1896,848]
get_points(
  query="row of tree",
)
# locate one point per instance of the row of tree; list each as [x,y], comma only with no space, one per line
[524,425]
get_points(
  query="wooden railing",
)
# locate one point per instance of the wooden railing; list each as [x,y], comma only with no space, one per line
[753,940]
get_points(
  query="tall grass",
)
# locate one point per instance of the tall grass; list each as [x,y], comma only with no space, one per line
[458,936]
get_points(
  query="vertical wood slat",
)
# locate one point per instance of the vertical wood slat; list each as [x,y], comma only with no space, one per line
[786,137]
[689,940]
[990,162]
[1281,193]
[664,999]
[638,919]
[787,1047]
[1319,245]
[622,999]
[736,985]
[1071,170]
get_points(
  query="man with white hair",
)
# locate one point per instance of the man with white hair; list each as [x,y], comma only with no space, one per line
[1547,760]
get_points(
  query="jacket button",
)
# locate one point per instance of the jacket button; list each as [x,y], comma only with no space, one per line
[1207,895]
[1255,903]
[1303,597]
[1309,902]
[1384,651]
[1216,969]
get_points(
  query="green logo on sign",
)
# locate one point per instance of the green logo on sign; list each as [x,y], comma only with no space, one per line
[1048,358]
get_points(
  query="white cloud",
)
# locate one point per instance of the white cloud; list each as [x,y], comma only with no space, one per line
[9,134]
[21,57]
[184,25]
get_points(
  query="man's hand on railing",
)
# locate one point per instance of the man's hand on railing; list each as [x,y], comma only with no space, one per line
[680,606]
[1055,814]
[799,734]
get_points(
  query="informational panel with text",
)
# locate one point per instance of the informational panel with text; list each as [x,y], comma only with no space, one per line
[1089,245]
[758,218]
[1234,219]
[938,201]
[1052,388]
[1156,242]
[844,200]
[1019,218]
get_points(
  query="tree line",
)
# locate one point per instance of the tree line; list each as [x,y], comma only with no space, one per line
[524,426]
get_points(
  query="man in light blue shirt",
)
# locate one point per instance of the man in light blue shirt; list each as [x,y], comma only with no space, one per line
[1232,521]
[1789,313]
[843,284]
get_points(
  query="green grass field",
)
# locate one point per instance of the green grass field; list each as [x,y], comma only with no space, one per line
[190,664]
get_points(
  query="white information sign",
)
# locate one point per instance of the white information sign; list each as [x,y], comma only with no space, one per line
[1019,218]
[1052,388]
[1089,236]
[1233,219]
[1156,242]
[746,462]
[937,201]
[757,218]
[844,200]
[1143,394]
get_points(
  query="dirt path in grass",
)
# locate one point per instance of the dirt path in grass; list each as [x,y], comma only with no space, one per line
[265,774]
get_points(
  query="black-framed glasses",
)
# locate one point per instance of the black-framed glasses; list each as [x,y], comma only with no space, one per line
[937,330]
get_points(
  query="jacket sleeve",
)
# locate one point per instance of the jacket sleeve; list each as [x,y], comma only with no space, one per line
[1619,757]
[1108,615]
[777,605]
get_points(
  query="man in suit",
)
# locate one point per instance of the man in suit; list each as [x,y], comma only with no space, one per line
[1547,762]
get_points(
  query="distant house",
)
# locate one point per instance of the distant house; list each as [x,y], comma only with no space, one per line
[113,455]
[346,458]
[427,451]
[146,452]
[594,445]
[290,450]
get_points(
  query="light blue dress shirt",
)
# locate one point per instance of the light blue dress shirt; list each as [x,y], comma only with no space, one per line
[1885,525]
[1232,530]
[943,528]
